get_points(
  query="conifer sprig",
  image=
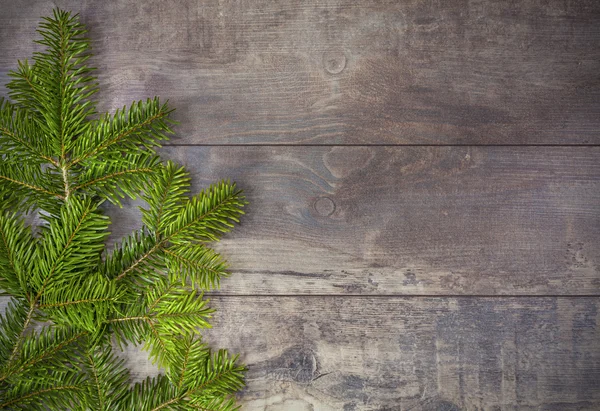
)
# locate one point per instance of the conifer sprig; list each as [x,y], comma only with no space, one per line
[70,296]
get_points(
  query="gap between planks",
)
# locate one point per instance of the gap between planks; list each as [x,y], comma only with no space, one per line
[369,145]
[404,296]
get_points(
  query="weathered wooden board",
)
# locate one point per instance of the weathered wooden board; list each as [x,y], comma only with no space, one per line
[406,220]
[345,353]
[410,353]
[341,247]
[341,71]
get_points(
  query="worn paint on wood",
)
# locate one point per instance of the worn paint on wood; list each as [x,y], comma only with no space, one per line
[407,220]
[341,71]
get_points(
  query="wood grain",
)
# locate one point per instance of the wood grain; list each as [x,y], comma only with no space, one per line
[389,221]
[405,353]
[380,278]
[340,71]
[343,353]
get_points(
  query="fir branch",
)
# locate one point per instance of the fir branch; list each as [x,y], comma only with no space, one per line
[82,302]
[44,346]
[17,254]
[204,218]
[19,340]
[83,234]
[196,264]
[76,302]
[12,325]
[17,130]
[57,86]
[110,379]
[139,261]
[167,311]
[31,186]
[27,397]
[221,376]
[144,124]
[57,160]
[129,175]
[165,197]
[207,215]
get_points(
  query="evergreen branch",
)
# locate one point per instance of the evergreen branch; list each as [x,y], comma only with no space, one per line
[130,256]
[84,301]
[139,261]
[24,186]
[17,254]
[18,140]
[19,339]
[38,393]
[216,404]
[150,393]
[144,170]
[156,299]
[16,126]
[155,394]
[144,318]
[78,230]
[54,266]
[203,218]
[6,249]
[110,378]
[158,338]
[184,363]
[207,215]
[116,139]
[166,404]
[144,124]
[57,86]
[12,323]
[21,94]
[98,388]
[125,175]
[220,376]
[54,158]
[31,187]
[120,137]
[46,352]
[32,150]
[168,310]
[196,264]
[165,197]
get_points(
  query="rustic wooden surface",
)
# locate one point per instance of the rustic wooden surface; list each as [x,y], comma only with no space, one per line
[406,220]
[342,71]
[381,278]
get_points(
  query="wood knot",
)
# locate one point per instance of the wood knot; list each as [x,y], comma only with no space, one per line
[297,364]
[324,206]
[334,62]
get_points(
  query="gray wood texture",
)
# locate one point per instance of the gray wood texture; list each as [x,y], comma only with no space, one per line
[422,354]
[406,220]
[336,353]
[342,71]
[381,278]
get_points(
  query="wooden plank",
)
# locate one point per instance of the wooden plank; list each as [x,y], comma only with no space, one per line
[406,220]
[421,354]
[341,353]
[341,71]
